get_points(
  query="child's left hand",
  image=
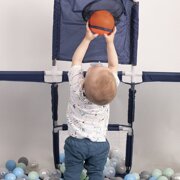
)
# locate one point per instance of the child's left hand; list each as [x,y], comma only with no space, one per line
[110,38]
[89,35]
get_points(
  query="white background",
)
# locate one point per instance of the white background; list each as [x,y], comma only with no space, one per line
[25,108]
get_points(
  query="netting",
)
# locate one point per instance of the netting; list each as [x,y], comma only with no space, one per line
[115,7]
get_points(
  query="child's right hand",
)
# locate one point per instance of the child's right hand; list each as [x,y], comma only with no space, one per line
[110,38]
[89,35]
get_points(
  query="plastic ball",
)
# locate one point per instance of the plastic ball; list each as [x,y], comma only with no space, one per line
[56,173]
[47,178]
[18,172]
[156,173]
[23,160]
[162,178]
[107,162]
[33,166]
[115,153]
[10,165]
[3,172]
[33,175]
[145,175]
[120,167]
[44,173]
[113,162]
[10,176]
[62,168]
[136,175]
[152,178]
[83,174]
[23,178]
[129,177]
[109,172]
[21,165]
[87,178]
[168,172]
[52,178]
[175,176]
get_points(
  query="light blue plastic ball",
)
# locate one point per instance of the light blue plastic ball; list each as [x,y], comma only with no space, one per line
[137,176]
[153,178]
[18,172]
[10,176]
[10,165]
[129,177]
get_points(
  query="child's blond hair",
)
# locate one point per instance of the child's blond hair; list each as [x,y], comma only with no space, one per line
[100,85]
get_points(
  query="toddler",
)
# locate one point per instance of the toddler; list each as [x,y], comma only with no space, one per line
[88,111]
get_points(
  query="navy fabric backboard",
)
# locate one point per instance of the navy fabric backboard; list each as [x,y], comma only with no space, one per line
[69,29]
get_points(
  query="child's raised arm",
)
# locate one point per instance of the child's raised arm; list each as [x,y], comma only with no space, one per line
[111,52]
[83,46]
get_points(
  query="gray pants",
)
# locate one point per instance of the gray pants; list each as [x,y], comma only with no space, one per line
[83,153]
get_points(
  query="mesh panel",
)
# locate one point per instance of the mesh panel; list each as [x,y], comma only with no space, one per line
[115,7]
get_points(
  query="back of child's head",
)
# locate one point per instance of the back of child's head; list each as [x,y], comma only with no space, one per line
[100,85]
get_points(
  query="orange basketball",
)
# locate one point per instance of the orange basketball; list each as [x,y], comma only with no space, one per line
[101,22]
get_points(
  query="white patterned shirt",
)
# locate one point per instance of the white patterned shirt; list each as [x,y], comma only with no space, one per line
[85,119]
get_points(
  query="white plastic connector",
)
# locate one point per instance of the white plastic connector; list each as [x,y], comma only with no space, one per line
[53,76]
[130,132]
[132,76]
[127,129]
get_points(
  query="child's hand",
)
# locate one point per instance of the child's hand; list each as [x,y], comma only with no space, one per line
[110,38]
[89,35]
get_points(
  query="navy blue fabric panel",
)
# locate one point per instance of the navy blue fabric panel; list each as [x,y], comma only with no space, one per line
[79,5]
[69,30]
[56,29]
[134,33]
[27,76]
[161,76]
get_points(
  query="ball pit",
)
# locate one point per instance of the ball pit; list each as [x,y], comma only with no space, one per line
[114,169]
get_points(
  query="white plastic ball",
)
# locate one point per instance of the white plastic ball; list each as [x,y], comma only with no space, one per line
[156,173]
[120,167]
[168,172]
[109,172]
[44,173]
[175,176]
